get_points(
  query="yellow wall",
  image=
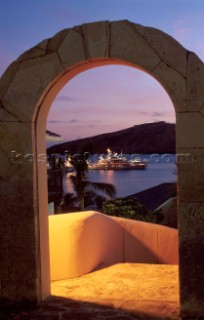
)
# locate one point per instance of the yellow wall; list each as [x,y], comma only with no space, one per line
[81,242]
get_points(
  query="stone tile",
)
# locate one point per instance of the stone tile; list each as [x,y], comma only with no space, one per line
[4,258]
[166,47]
[127,44]
[29,84]
[71,51]
[23,226]
[192,279]
[191,222]
[173,83]
[190,166]
[24,264]
[7,77]
[56,41]
[189,130]
[96,37]
[195,80]
[20,290]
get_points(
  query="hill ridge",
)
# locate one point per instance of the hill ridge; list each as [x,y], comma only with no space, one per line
[154,137]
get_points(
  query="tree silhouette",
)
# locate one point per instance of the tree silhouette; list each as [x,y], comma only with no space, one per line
[80,182]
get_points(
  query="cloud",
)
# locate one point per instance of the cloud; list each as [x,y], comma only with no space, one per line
[71,99]
[158,114]
[72,121]
[55,121]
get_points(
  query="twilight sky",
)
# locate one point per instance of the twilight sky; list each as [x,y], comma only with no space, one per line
[108,98]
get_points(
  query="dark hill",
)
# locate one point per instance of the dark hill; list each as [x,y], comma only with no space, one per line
[157,137]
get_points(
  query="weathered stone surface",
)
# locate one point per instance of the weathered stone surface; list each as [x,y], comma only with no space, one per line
[55,42]
[7,77]
[127,44]
[173,83]
[190,164]
[5,115]
[43,44]
[23,226]
[26,268]
[71,51]
[17,186]
[16,138]
[29,84]
[38,51]
[192,279]
[32,53]
[189,130]
[4,266]
[96,37]
[191,222]
[19,290]
[17,163]
[5,227]
[195,83]
[167,48]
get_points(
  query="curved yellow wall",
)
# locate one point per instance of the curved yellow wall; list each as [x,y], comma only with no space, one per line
[81,242]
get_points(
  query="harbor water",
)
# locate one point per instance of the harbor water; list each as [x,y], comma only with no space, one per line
[160,169]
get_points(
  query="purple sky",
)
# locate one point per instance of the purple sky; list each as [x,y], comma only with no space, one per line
[107,98]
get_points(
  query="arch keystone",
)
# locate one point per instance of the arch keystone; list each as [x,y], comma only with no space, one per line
[96,37]
[71,50]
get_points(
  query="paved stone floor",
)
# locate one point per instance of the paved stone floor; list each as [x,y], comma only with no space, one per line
[119,292]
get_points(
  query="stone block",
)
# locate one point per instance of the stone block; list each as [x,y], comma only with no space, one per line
[18,186]
[7,77]
[38,51]
[16,140]
[24,264]
[30,82]
[195,83]
[191,279]
[20,291]
[190,163]
[173,83]
[96,39]
[6,116]
[56,41]
[167,48]
[127,44]
[189,130]
[17,164]
[23,226]
[5,227]
[4,266]
[191,222]
[71,51]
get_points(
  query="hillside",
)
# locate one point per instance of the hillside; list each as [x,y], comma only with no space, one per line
[157,137]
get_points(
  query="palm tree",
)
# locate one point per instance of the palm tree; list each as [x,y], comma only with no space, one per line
[80,183]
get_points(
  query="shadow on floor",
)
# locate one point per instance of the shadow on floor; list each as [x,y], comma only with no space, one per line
[58,308]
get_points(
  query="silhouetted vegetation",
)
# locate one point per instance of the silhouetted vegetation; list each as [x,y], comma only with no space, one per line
[132,209]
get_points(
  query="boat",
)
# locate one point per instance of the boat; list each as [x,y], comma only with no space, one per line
[113,161]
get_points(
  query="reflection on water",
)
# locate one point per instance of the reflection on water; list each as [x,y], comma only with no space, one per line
[131,181]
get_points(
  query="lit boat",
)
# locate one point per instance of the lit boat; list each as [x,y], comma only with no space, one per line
[115,162]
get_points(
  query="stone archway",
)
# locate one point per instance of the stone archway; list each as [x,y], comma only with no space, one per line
[27,90]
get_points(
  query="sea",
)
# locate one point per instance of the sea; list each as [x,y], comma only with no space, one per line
[160,168]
